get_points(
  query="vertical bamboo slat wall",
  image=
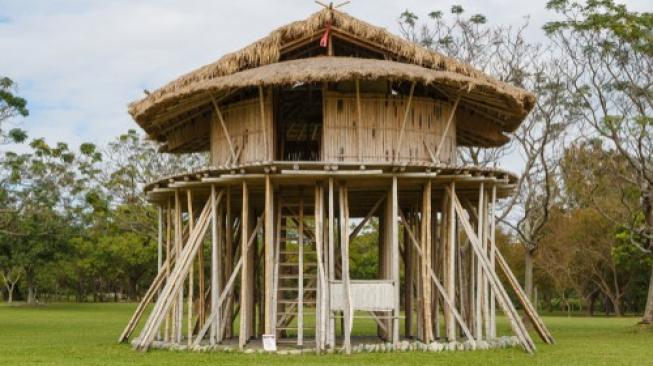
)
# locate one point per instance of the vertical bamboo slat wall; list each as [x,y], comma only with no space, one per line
[382,119]
[243,122]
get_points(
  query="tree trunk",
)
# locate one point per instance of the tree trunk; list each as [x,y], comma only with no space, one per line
[31,291]
[528,273]
[648,310]
[10,294]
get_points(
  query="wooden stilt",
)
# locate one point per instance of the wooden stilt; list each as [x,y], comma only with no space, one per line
[515,321]
[269,255]
[229,262]
[426,249]
[168,325]
[331,327]
[344,247]
[244,283]
[478,319]
[321,287]
[179,307]
[394,235]
[408,286]
[191,285]
[215,268]
[450,269]
[492,217]
[300,275]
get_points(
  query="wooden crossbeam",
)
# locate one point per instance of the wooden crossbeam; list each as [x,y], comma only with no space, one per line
[405,121]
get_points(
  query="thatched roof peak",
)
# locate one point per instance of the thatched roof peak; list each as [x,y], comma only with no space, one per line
[271,49]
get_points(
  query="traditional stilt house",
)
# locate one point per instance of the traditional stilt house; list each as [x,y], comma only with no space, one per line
[314,131]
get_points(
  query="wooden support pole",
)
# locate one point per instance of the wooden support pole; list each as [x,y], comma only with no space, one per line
[189,313]
[478,315]
[167,333]
[408,287]
[215,268]
[405,121]
[394,239]
[331,326]
[300,272]
[344,247]
[502,296]
[159,247]
[174,286]
[228,288]
[449,301]
[229,262]
[179,308]
[269,254]
[485,300]
[426,249]
[450,270]
[244,278]
[492,217]
[322,302]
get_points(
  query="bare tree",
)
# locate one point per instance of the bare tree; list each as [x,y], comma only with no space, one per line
[504,53]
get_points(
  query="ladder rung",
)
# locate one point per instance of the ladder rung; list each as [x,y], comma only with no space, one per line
[295,276]
[295,302]
[306,289]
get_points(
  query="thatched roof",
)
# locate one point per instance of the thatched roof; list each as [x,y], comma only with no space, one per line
[258,64]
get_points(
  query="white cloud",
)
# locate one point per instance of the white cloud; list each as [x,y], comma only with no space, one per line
[79,63]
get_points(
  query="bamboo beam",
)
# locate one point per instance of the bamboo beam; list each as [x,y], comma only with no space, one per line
[159,247]
[228,287]
[320,336]
[269,254]
[224,129]
[344,247]
[394,260]
[300,272]
[478,316]
[448,300]
[263,124]
[179,307]
[450,269]
[168,324]
[189,320]
[215,268]
[362,224]
[174,286]
[359,122]
[446,129]
[426,249]
[244,278]
[492,216]
[529,309]
[510,311]
[331,327]
[403,125]
[229,254]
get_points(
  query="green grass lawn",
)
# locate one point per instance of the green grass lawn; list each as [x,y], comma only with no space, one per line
[85,334]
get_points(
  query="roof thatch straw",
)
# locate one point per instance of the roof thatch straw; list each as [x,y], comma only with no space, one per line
[235,69]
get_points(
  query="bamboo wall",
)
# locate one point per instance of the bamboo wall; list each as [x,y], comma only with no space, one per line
[243,122]
[382,117]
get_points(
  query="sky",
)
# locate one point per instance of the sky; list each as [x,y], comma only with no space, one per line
[80,62]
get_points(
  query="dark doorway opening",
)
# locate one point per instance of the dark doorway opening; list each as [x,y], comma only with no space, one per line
[299,123]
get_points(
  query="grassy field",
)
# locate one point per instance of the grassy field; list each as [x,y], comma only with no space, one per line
[85,334]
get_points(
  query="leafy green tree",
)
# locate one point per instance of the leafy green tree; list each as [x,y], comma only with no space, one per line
[609,55]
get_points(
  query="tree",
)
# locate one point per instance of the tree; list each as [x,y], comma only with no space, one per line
[609,51]
[504,53]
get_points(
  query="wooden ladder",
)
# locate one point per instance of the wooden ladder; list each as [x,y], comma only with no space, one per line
[296,284]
